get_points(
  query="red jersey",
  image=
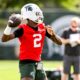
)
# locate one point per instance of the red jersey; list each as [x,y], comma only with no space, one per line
[31,42]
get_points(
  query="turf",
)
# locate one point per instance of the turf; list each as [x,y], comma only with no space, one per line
[9,69]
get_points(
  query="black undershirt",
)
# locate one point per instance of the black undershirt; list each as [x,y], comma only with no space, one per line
[19,32]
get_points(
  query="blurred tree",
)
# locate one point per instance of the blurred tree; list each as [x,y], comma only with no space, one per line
[17,4]
[71,4]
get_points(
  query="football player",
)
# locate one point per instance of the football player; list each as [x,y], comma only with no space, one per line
[31,36]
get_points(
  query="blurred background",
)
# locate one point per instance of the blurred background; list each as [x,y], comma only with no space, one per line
[58,14]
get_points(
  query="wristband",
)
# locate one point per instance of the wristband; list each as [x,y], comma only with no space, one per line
[7,31]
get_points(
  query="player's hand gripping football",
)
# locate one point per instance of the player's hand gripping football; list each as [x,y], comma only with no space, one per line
[14,20]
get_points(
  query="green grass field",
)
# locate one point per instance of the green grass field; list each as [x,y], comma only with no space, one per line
[9,69]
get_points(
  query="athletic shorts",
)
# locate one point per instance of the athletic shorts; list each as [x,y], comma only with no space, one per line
[32,70]
[71,61]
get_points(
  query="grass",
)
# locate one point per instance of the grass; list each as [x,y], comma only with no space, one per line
[9,69]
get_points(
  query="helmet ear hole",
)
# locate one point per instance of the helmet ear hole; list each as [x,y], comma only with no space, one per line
[37,13]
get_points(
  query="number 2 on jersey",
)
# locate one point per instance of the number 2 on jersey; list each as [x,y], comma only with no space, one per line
[37,39]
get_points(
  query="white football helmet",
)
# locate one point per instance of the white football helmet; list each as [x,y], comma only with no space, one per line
[33,12]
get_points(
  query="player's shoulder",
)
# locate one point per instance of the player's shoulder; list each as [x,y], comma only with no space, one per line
[21,25]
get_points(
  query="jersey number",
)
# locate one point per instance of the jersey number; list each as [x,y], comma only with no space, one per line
[37,39]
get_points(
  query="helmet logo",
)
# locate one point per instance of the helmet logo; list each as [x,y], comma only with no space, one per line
[29,8]
[37,13]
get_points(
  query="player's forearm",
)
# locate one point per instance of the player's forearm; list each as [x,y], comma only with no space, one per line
[6,38]
[56,39]
[65,41]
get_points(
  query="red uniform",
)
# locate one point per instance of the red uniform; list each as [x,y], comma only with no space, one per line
[31,42]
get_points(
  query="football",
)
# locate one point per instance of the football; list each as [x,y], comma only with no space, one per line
[14,20]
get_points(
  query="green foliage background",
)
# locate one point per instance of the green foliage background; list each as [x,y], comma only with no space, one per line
[17,4]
